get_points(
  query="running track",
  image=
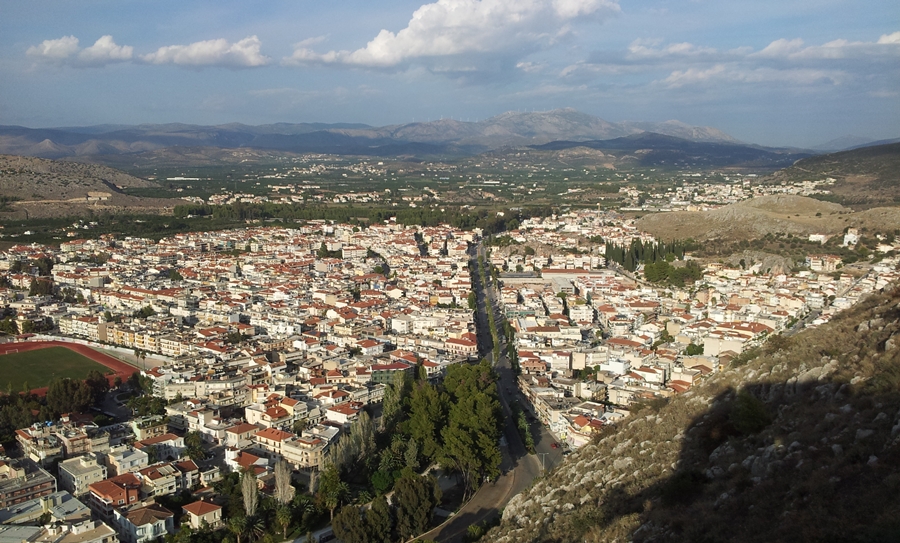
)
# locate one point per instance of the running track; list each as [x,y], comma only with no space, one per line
[120,368]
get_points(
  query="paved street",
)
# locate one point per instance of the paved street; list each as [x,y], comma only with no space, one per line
[518,468]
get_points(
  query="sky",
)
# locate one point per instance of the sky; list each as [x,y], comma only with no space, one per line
[771,72]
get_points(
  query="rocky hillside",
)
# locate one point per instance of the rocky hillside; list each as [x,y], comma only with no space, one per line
[754,218]
[798,443]
[38,188]
[28,178]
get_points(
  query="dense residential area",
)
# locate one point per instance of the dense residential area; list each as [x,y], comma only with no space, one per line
[284,374]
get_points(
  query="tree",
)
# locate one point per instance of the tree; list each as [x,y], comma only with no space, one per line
[99,385]
[256,527]
[250,493]
[193,442]
[44,265]
[428,410]
[332,490]
[749,414]
[471,437]
[284,491]
[237,526]
[472,300]
[693,349]
[9,326]
[283,518]
[42,287]
[394,397]
[349,526]
[380,521]
[140,383]
[411,456]
[358,446]
[68,395]
[144,312]
[382,481]
[416,497]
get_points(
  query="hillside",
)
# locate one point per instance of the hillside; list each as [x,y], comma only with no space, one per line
[756,217]
[38,187]
[865,177]
[657,149]
[801,443]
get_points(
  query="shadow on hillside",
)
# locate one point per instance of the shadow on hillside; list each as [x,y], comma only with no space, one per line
[828,469]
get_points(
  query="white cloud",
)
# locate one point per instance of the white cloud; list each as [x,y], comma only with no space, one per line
[645,48]
[242,54]
[691,76]
[448,28]
[795,50]
[781,48]
[801,77]
[530,67]
[784,63]
[65,50]
[54,50]
[105,51]
[889,39]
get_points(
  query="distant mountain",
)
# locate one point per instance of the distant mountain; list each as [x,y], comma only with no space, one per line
[875,143]
[652,149]
[444,136]
[842,143]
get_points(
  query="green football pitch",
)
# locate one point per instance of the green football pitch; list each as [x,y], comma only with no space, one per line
[39,367]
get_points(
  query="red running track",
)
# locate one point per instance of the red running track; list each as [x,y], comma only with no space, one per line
[120,368]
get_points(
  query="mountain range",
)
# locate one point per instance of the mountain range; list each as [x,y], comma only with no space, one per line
[436,137]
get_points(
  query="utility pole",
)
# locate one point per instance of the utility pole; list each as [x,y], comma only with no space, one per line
[543,458]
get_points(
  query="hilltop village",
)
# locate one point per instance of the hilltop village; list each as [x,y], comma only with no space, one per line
[269,342]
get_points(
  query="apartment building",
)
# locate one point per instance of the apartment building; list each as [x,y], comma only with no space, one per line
[77,474]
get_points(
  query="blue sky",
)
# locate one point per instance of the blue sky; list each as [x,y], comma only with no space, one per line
[770,72]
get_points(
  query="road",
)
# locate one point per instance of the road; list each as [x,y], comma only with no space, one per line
[518,468]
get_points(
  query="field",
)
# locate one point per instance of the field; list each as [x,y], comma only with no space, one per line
[37,364]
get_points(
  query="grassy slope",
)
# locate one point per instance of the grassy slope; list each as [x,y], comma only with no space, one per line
[813,455]
[39,367]
[865,177]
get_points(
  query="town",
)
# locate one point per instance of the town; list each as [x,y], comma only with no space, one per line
[265,346]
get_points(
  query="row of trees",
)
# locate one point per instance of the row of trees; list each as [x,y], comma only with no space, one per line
[640,252]
[663,272]
[74,396]
[414,499]
[455,425]
[465,219]
[21,409]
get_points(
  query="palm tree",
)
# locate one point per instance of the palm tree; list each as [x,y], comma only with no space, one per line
[256,528]
[283,517]
[237,526]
